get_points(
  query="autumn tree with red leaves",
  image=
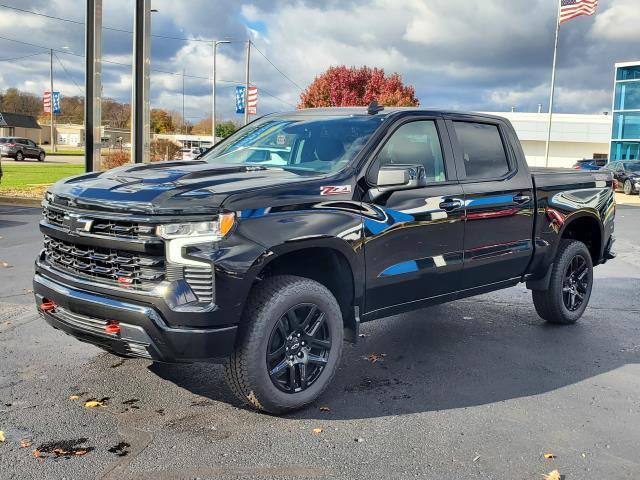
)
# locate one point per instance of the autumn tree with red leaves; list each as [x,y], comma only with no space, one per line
[353,87]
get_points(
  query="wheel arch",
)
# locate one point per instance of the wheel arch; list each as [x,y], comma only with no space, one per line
[587,228]
[331,262]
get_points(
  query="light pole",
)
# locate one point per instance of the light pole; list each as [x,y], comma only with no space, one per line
[213,90]
[246,83]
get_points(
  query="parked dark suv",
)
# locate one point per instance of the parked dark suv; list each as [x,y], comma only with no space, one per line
[20,148]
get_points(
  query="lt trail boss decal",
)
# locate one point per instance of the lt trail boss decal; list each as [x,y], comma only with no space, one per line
[335,189]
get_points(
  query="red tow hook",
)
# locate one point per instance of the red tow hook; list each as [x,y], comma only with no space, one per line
[48,305]
[113,327]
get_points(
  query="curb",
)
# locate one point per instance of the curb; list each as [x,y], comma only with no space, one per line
[21,201]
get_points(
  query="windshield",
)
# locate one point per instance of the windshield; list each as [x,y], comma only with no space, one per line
[313,144]
[632,167]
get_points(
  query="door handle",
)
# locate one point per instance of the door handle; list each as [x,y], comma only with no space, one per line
[521,198]
[450,204]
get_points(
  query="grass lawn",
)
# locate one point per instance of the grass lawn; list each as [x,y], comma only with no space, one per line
[32,179]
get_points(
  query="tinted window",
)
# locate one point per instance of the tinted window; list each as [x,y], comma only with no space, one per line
[3,140]
[483,152]
[416,143]
[306,143]
[632,167]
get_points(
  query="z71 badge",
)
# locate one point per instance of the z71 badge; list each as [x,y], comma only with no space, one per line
[335,189]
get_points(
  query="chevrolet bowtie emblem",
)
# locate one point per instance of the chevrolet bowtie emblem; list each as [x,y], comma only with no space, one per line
[75,223]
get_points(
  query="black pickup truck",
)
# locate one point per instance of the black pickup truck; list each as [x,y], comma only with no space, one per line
[269,250]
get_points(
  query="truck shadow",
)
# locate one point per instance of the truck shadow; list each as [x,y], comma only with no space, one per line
[467,353]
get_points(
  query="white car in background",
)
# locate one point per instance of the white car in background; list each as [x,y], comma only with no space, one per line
[189,153]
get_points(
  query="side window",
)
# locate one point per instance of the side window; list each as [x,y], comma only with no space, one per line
[483,151]
[416,143]
[31,143]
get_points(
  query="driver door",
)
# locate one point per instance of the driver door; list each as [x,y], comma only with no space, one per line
[414,238]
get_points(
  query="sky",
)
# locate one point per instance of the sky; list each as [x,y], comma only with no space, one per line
[488,55]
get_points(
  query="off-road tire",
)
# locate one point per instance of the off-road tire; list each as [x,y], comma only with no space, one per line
[549,303]
[246,371]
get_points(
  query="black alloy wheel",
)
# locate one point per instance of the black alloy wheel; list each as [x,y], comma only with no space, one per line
[298,348]
[575,283]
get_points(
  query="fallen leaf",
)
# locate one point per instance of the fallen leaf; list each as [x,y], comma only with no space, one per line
[81,452]
[2,437]
[549,456]
[74,397]
[376,357]
[36,453]
[554,475]
[476,458]
[325,409]
[317,430]
[5,265]
[93,402]
[24,443]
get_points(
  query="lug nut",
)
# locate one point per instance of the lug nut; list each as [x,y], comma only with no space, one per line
[300,354]
[298,335]
[290,357]
[286,348]
[302,343]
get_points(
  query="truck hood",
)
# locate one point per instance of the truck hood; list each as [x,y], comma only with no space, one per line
[166,188]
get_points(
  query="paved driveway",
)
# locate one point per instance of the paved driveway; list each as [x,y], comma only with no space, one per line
[479,388]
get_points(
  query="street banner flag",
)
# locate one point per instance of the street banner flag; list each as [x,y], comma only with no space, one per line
[240,99]
[56,102]
[252,101]
[570,9]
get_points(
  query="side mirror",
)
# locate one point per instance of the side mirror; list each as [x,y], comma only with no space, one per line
[400,177]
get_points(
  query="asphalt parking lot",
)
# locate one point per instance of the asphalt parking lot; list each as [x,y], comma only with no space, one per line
[479,388]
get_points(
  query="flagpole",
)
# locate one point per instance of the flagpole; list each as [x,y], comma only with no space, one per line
[553,86]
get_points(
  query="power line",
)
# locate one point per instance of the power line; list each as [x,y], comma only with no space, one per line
[78,22]
[69,75]
[129,65]
[20,58]
[280,71]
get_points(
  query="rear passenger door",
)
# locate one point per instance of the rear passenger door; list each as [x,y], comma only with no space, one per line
[32,148]
[498,198]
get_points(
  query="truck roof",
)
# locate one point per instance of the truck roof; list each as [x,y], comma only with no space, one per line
[344,111]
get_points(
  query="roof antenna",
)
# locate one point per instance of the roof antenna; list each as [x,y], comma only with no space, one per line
[374,108]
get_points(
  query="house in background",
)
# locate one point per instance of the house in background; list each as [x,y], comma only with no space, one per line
[18,125]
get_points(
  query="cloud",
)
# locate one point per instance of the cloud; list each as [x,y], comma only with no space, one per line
[486,55]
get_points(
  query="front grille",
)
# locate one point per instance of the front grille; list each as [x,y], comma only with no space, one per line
[105,264]
[104,226]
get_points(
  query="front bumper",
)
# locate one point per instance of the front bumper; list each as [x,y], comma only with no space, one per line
[143,331]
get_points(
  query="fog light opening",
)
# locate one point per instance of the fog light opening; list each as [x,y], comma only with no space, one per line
[47,305]
[112,327]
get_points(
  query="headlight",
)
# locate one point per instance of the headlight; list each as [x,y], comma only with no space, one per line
[215,230]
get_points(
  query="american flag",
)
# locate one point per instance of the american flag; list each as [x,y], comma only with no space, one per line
[47,102]
[252,100]
[570,9]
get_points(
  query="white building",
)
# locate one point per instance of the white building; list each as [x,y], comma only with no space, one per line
[573,136]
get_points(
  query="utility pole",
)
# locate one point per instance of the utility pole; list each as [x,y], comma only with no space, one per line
[246,84]
[184,120]
[213,90]
[93,85]
[140,115]
[53,133]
